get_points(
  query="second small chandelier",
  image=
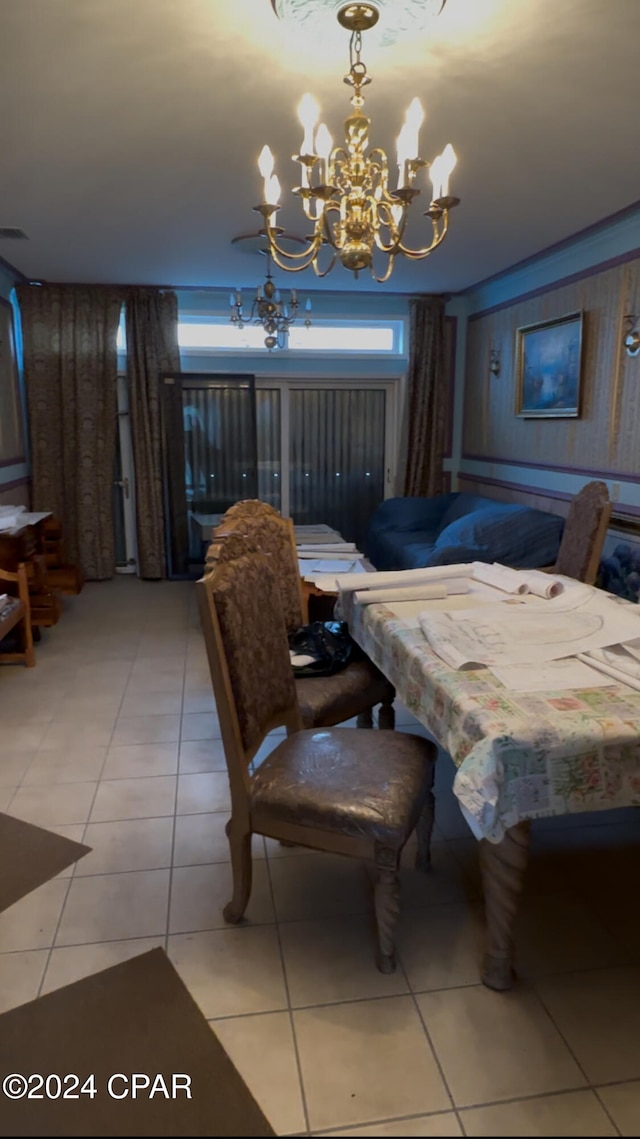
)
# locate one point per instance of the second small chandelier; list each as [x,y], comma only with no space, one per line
[268,309]
[345,190]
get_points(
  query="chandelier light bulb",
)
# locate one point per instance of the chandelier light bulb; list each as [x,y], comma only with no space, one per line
[324,142]
[435,174]
[408,146]
[448,159]
[271,183]
[266,162]
[308,114]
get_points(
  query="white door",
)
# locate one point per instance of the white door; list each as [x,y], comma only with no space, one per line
[124,488]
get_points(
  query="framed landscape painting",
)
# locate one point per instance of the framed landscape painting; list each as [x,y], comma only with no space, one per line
[548,359]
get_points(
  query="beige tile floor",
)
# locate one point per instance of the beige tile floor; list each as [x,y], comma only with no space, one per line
[113,740]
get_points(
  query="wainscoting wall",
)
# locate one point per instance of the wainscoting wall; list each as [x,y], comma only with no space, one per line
[606,436]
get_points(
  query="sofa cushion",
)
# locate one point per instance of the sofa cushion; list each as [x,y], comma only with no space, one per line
[404,515]
[462,504]
[416,554]
[519,535]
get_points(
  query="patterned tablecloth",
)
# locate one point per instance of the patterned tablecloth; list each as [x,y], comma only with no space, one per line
[519,756]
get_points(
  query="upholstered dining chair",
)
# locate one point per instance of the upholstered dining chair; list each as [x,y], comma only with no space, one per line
[324,700]
[584,533]
[356,793]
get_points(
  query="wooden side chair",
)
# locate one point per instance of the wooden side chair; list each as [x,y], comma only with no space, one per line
[584,533]
[324,700]
[356,793]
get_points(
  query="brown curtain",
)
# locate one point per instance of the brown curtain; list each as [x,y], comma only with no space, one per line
[70,370]
[427,398]
[158,455]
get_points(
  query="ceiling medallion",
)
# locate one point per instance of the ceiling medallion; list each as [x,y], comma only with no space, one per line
[398,19]
[345,190]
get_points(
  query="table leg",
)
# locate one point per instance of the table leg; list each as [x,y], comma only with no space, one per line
[503,867]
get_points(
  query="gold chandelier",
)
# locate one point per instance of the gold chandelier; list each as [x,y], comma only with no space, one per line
[268,309]
[345,189]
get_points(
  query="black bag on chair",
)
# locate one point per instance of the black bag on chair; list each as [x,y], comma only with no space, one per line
[324,647]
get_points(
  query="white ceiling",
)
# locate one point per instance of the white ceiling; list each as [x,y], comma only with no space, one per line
[130,130]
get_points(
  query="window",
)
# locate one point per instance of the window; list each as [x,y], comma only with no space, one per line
[219,335]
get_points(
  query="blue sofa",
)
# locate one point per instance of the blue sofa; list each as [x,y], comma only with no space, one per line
[409,533]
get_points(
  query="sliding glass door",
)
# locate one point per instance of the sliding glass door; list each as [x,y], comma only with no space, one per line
[336,456]
[318,451]
[210,431]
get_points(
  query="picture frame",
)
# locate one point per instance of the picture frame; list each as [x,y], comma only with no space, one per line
[548,368]
[12,441]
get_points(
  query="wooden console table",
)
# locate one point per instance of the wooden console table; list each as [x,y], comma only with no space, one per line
[22,545]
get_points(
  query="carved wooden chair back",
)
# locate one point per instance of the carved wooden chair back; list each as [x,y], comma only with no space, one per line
[274,536]
[248,656]
[584,533]
[227,545]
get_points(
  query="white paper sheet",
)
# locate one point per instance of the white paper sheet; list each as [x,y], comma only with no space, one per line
[513,632]
[553,675]
[616,663]
[319,533]
[337,555]
[328,581]
[316,549]
[333,566]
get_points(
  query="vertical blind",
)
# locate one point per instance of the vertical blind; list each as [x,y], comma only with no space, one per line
[233,437]
[220,443]
[337,438]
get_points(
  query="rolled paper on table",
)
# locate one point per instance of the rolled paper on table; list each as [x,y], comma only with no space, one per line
[542,584]
[399,578]
[517,581]
[500,577]
[425,592]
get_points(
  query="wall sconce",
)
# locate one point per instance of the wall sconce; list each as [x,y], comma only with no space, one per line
[632,338]
[494,361]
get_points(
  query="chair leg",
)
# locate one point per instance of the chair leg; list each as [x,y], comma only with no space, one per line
[424,826]
[387,716]
[387,907]
[365,719]
[241,867]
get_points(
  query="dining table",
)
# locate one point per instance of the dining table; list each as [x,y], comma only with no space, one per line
[519,756]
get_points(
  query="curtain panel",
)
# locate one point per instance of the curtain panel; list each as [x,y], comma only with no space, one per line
[157,427]
[70,371]
[427,398]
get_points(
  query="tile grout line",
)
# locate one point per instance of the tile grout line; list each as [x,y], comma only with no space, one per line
[296,1050]
[71,878]
[430,1043]
[589,1084]
[175,798]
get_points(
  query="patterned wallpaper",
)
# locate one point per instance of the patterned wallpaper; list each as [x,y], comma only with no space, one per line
[606,436]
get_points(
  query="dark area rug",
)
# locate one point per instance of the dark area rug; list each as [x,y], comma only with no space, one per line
[30,856]
[137,1017]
